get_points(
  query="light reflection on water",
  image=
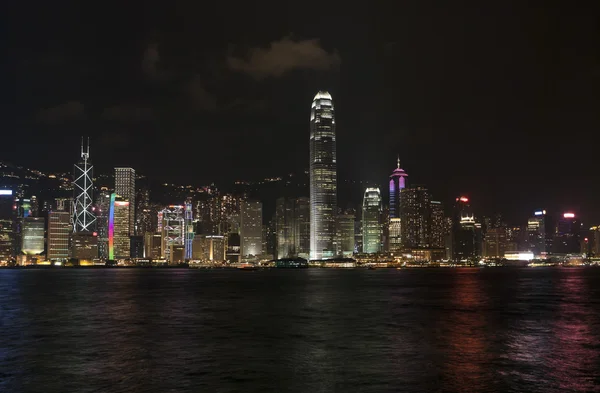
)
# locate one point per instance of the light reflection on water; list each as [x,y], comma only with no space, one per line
[315,330]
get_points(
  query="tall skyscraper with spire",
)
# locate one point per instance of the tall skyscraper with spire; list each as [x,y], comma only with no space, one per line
[84,219]
[323,177]
[397,183]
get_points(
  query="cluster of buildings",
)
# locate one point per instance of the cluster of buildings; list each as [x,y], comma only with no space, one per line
[117,224]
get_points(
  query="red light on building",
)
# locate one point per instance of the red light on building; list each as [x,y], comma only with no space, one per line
[95,234]
[464,199]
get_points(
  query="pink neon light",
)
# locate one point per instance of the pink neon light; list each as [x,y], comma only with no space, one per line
[463,199]
[569,215]
[121,203]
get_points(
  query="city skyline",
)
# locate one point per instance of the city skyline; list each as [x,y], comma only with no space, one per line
[491,113]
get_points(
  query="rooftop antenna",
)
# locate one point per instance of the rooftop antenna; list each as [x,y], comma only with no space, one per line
[398,161]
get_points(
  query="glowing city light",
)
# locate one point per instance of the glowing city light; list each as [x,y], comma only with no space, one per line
[569,215]
[111,227]
[6,192]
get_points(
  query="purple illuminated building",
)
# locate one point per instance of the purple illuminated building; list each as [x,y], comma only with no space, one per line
[397,183]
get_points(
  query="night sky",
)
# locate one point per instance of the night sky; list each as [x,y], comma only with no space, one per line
[494,99]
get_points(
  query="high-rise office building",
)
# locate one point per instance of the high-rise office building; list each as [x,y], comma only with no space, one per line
[59,232]
[536,232]
[302,225]
[125,188]
[568,235]
[323,177]
[416,217]
[345,234]
[251,228]
[188,229]
[6,225]
[395,231]
[152,245]
[233,248]
[284,227]
[437,225]
[371,221]
[495,242]
[84,219]
[397,184]
[102,212]
[142,209]
[292,222]
[32,235]
[172,229]
[84,246]
[464,239]
[119,245]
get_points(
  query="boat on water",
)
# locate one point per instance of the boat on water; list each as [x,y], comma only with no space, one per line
[247,266]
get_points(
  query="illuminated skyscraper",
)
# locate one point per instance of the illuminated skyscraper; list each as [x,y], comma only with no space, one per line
[251,228]
[284,227]
[172,229]
[292,226]
[59,230]
[437,225]
[371,221]
[102,212]
[568,235]
[323,177]
[397,184]
[32,235]
[495,242]
[125,187]
[536,233]
[189,230]
[84,219]
[345,234]
[6,225]
[464,239]
[395,230]
[118,228]
[415,217]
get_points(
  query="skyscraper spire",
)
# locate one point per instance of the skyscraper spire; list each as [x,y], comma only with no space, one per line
[84,219]
[398,161]
[88,147]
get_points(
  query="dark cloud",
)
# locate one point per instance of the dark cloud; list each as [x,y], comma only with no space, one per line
[71,110]
[127,113]
[283,56]
[201,98]
[150,61]
[246,106]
